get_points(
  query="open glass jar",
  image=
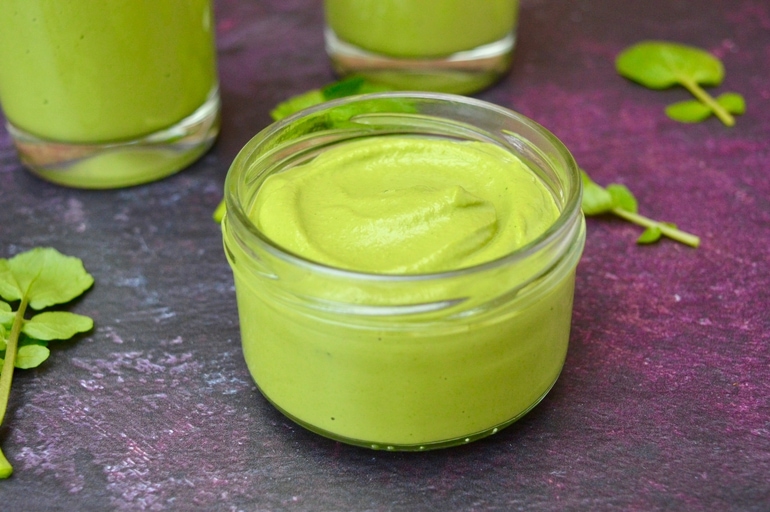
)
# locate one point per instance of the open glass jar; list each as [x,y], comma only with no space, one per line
[109,94]
[456,46]
[413,361]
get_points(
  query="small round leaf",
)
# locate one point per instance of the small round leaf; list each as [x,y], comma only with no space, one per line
[45,276]
[56,325]
[690,111]
[31,356]
[661,64]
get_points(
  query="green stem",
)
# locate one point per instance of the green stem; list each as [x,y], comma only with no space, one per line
[697,91]
[6,469]
[11,349]
[673,233]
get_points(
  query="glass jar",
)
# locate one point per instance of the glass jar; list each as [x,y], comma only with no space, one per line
[108,94]
[455,46]
[404,362]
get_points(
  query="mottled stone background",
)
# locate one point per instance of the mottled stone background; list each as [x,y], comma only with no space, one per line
[664,399]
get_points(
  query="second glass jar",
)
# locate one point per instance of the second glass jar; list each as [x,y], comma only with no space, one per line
[455,46]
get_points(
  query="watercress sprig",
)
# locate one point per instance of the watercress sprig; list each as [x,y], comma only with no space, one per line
[618,200]
[662,64]
[35,280]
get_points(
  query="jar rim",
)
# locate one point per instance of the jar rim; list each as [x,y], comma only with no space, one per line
[568,218]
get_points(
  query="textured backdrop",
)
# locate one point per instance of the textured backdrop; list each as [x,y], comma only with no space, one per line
[664,400]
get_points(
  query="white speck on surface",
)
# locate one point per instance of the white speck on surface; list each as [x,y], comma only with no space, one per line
[112,335]
[75,215]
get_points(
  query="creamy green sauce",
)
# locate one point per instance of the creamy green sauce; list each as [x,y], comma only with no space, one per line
[400,205]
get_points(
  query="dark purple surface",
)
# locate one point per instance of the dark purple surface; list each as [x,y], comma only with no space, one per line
[664,402]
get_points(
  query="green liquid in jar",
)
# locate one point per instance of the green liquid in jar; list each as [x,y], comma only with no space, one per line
[421,28]
[85,71]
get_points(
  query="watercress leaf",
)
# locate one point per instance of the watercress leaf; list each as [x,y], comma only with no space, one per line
[596,199]
[345,87]
[733,102]
[6,470]
[9,288]
[31,356]
[619,201]
[4,306]
[48,277]
[693,111]
[56,325]
[340,89]
[297,103]
[38,278]
[650,235]
[662,64]
[220,211]
[690,111]
[350,86]
[6,318]
[622,198]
